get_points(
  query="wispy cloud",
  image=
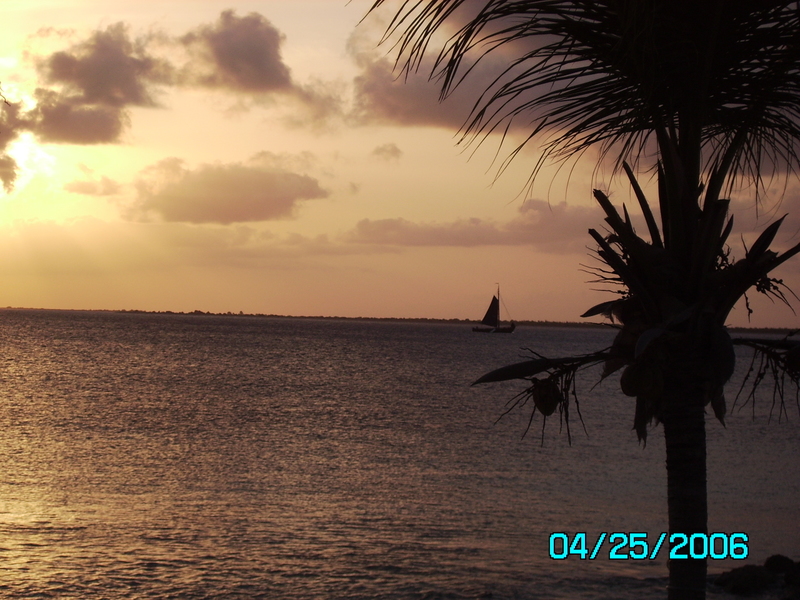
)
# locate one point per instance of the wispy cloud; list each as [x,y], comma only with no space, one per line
[389,151]
[90,187]
[557,229]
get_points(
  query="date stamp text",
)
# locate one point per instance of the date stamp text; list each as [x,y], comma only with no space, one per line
[637,546]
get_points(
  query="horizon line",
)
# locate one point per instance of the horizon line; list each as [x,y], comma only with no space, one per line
[454,320]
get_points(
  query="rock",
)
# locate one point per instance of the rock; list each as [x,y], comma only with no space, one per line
[792,575]
[778,563]
[749,579]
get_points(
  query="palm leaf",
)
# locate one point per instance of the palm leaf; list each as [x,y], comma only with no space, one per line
[615,72]
[529,368]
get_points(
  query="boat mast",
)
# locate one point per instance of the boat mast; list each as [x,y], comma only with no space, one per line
[499,306]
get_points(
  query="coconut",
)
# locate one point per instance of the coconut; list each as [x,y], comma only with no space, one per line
[546,396]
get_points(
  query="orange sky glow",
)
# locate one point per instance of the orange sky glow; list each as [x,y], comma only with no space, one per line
[264,157]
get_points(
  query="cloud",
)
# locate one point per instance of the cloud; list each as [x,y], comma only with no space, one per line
[383,96]
[301,161]
[89,86]
[239,53]
[384,93]
[401,232]
[87,187]
[11,126]
[108,69]
[242,55]
[558,229]
[62,119]
[220,193]
[8,172]
[751,217]
[317,104]
[388,151]
[389,91]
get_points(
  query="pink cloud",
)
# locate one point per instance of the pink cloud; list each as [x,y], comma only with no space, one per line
[221,193]
[556,229]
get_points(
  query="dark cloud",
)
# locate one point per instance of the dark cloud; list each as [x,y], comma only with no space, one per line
[61,119]
[558,229]
[10,127]
[87,89]
[98,79]
[239,53]
[388,151]
[8,172]
[108,69]
[317,104]
[221,193]
[381,95]
[11,123]
[385,93]
[243,55]
[90,86]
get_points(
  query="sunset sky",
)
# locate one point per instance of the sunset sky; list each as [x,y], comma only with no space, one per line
[262,156]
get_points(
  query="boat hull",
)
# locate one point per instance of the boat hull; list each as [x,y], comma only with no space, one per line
[508,329]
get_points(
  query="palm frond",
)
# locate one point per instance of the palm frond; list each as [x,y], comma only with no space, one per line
[778,359]
[613,73]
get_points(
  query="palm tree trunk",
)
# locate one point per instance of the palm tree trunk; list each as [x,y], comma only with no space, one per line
[683,419]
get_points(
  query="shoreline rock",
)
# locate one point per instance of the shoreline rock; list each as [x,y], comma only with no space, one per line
[777,571]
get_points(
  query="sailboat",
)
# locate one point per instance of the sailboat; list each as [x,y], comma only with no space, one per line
[491,319]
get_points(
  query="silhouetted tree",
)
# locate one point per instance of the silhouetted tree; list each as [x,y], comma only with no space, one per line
[713,86]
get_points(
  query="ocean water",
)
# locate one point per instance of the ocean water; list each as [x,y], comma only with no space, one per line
[185,456]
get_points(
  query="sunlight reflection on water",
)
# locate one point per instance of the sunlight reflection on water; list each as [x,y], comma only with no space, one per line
[158,456]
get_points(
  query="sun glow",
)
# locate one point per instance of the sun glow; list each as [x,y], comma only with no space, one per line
[32,160]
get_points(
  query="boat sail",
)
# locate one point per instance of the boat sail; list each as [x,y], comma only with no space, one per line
[491,319]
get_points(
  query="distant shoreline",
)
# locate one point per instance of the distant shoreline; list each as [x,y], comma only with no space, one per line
[521,323]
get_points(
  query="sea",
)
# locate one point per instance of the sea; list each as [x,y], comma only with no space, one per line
[187,456]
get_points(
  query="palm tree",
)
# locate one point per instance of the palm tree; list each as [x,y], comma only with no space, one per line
[712,89]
